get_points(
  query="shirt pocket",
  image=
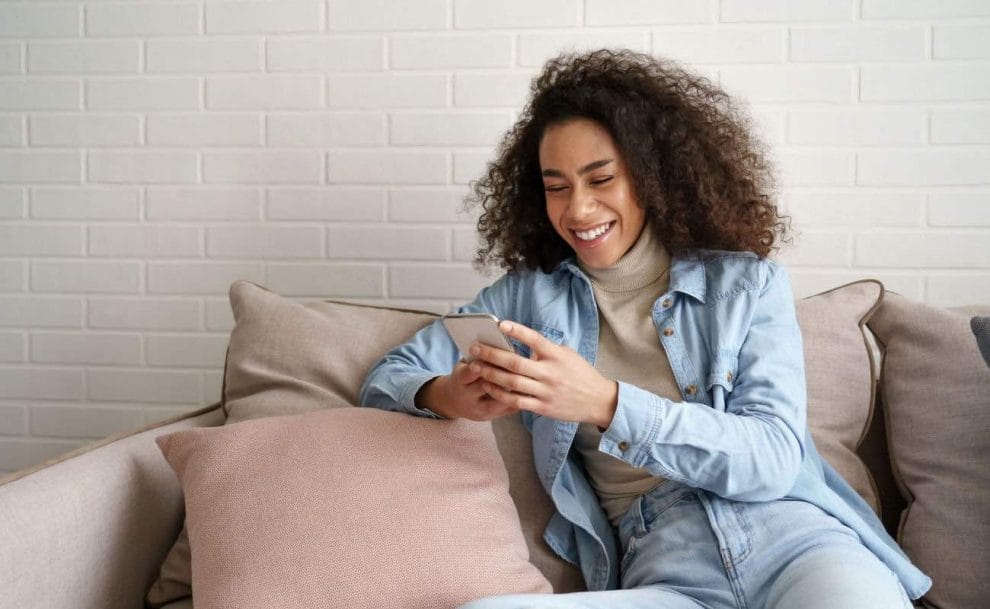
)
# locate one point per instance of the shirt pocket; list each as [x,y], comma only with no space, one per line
[550,333]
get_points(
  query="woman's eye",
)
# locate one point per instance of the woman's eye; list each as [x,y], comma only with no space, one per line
[554,188]
[603,180]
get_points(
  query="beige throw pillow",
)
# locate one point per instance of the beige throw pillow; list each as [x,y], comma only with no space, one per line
[840,375]
[287,358]
[936,394]
[349,508]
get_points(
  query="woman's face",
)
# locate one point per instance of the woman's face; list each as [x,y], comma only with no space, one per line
[589,192]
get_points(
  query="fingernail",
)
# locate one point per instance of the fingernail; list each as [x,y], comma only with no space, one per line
[475,350]
[506,326]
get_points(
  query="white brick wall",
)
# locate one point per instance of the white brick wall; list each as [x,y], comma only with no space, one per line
[153,152]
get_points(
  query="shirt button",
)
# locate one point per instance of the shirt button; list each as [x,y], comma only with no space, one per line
[623,446]
[666,303]
[728,376]
[691,389]
[668,331]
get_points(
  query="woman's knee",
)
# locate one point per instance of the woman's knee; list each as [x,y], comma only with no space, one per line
[837,578]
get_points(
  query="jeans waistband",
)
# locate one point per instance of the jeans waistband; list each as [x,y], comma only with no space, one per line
[645,507]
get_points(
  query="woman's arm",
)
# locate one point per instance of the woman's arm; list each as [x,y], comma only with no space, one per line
[752,451]
[424,376]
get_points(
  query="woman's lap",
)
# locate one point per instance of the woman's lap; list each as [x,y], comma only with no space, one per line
[639,598]
[686,549]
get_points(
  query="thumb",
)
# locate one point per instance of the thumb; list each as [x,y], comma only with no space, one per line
[464,374]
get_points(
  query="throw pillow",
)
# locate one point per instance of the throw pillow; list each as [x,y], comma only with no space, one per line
[285,357]
[841,377]
[349,508]
[936,392]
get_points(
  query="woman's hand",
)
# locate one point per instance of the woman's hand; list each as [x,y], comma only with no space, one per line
[460,394]
[555,382]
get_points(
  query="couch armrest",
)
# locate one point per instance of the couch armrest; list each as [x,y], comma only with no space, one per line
[91,529]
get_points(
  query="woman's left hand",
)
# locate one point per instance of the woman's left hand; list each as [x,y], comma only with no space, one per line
[555,382]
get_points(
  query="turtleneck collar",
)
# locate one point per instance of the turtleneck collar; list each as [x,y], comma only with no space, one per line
[643,264]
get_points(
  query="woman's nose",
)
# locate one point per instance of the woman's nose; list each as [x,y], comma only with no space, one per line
[582,203]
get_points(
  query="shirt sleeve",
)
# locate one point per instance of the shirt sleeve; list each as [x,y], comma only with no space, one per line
[392,383]
[751,451]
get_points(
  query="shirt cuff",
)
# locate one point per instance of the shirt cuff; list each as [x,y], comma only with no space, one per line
[634,426]
[411,385]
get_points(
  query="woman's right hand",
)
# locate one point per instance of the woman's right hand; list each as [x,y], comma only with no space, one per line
[459,395]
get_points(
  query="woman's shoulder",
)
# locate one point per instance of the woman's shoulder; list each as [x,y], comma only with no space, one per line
[725,272]
[525,283]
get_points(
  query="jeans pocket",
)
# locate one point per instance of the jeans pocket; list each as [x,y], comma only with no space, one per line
[654,510]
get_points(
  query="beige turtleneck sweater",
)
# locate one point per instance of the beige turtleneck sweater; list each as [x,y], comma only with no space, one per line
[629,350]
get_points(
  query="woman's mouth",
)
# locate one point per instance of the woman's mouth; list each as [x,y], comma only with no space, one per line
[594,234]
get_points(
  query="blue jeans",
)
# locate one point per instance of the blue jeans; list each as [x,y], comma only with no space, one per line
[689,549]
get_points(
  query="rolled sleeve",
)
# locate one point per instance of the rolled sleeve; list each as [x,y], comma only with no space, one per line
[634,426]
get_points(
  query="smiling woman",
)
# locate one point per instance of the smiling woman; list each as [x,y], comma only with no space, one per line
[665,386]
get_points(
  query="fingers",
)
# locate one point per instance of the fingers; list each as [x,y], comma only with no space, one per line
[506,360]
[506,379]
[537,343]
[510,400]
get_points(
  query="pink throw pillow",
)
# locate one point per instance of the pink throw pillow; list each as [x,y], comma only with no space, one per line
[349,508]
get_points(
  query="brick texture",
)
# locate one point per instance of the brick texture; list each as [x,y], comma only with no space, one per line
[153,152]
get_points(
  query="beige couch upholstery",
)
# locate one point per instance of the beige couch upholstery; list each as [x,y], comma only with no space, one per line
[92,529]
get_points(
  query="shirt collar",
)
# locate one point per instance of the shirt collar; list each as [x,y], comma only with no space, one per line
[687,273]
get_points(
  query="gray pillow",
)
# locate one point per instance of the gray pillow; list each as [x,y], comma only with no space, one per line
[936,394]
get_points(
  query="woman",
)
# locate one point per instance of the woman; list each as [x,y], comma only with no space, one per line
[660,368]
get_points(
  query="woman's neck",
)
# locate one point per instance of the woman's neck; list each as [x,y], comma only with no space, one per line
[643,264]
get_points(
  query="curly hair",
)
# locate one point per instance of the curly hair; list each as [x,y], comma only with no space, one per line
[701,177]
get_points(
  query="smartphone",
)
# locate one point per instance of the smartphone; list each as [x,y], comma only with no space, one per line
[469,328]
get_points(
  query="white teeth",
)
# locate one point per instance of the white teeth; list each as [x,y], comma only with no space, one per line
[594,233]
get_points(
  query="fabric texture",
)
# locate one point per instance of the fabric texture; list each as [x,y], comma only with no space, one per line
[936,394]
[91,529]
[285,357]
[629,350]
[345,508]
[677,540]
[841,377]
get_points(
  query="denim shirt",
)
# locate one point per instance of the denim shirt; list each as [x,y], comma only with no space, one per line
[728,325]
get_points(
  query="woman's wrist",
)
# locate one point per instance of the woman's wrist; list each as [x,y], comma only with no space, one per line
[427,396]
[609,403]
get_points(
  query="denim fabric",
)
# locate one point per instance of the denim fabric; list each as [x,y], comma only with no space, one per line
[685,547]
[728,326]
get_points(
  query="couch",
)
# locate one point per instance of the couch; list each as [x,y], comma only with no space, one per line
[898,399]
